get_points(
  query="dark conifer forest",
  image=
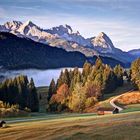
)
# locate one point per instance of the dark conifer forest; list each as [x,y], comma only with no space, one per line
[22,53]
[20,91]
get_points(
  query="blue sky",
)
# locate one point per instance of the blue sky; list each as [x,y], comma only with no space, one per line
[119,19]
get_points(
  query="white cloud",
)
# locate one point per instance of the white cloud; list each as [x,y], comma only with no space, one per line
[123,34]
[2,12]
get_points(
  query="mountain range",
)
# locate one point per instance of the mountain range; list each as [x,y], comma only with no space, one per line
[64,37]
[23,53]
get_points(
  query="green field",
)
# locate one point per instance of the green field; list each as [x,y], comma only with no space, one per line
[131,108]
[124,126]
[75,126]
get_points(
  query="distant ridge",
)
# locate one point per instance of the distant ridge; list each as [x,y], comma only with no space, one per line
[24,53]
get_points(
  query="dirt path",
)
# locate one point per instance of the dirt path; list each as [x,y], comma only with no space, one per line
[112,101]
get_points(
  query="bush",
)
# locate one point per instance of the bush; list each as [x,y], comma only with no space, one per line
[90,102]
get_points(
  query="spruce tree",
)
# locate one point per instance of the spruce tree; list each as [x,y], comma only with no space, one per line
[66,77]
[33,97]
[118,70]
[19,91]
[59,80]
[52,89]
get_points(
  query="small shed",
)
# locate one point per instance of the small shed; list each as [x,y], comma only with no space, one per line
[104,111]
[2,124]
[115,111]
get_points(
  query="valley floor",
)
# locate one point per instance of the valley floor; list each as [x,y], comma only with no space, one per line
[90,127]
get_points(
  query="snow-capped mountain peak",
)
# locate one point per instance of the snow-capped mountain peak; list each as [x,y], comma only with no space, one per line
[102,43]
[10,26]
[29,27]
[70,30]
[61,30]
[29,23]
[13,25]
[64,37]
[66,32]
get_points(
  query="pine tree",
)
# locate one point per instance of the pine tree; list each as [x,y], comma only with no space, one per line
[118,70]
[59,80]
[52,89]
[33,97]
[19,91]
[98,64]
[66,77]
[86,71]
[77,78]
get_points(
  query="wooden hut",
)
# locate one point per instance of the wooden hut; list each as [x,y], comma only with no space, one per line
[2,124]
[104,111]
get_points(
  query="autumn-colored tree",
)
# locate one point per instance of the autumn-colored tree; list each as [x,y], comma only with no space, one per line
[77,78]
[86,71]
[135,73]
[92,90]
[78,98]
[78,90]
[59,101]
[118,70]
[59,80]
[99,64]
[62,94]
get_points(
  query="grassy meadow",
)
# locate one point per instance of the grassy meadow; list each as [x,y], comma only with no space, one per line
[110,127]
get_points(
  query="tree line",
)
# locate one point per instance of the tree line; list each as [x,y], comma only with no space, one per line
[76,90]
[21,92]
[135,73]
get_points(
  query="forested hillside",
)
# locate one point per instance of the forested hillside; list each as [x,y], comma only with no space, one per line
[22,53]
[76,91]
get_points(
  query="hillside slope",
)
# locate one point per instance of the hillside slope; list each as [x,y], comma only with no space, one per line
[22,53]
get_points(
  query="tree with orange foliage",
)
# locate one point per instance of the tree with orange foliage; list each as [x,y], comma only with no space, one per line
[135,73]
[59,100]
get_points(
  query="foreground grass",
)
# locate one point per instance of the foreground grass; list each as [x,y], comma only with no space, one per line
[112,127]
[131,108]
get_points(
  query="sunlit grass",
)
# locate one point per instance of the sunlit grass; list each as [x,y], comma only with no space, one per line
[109,127]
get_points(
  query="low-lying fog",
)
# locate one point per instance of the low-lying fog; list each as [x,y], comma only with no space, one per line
[41,77]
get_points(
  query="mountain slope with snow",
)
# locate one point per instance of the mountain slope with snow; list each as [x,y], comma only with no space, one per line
[23,53]
[66,32]
[103,44]
[64,37]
